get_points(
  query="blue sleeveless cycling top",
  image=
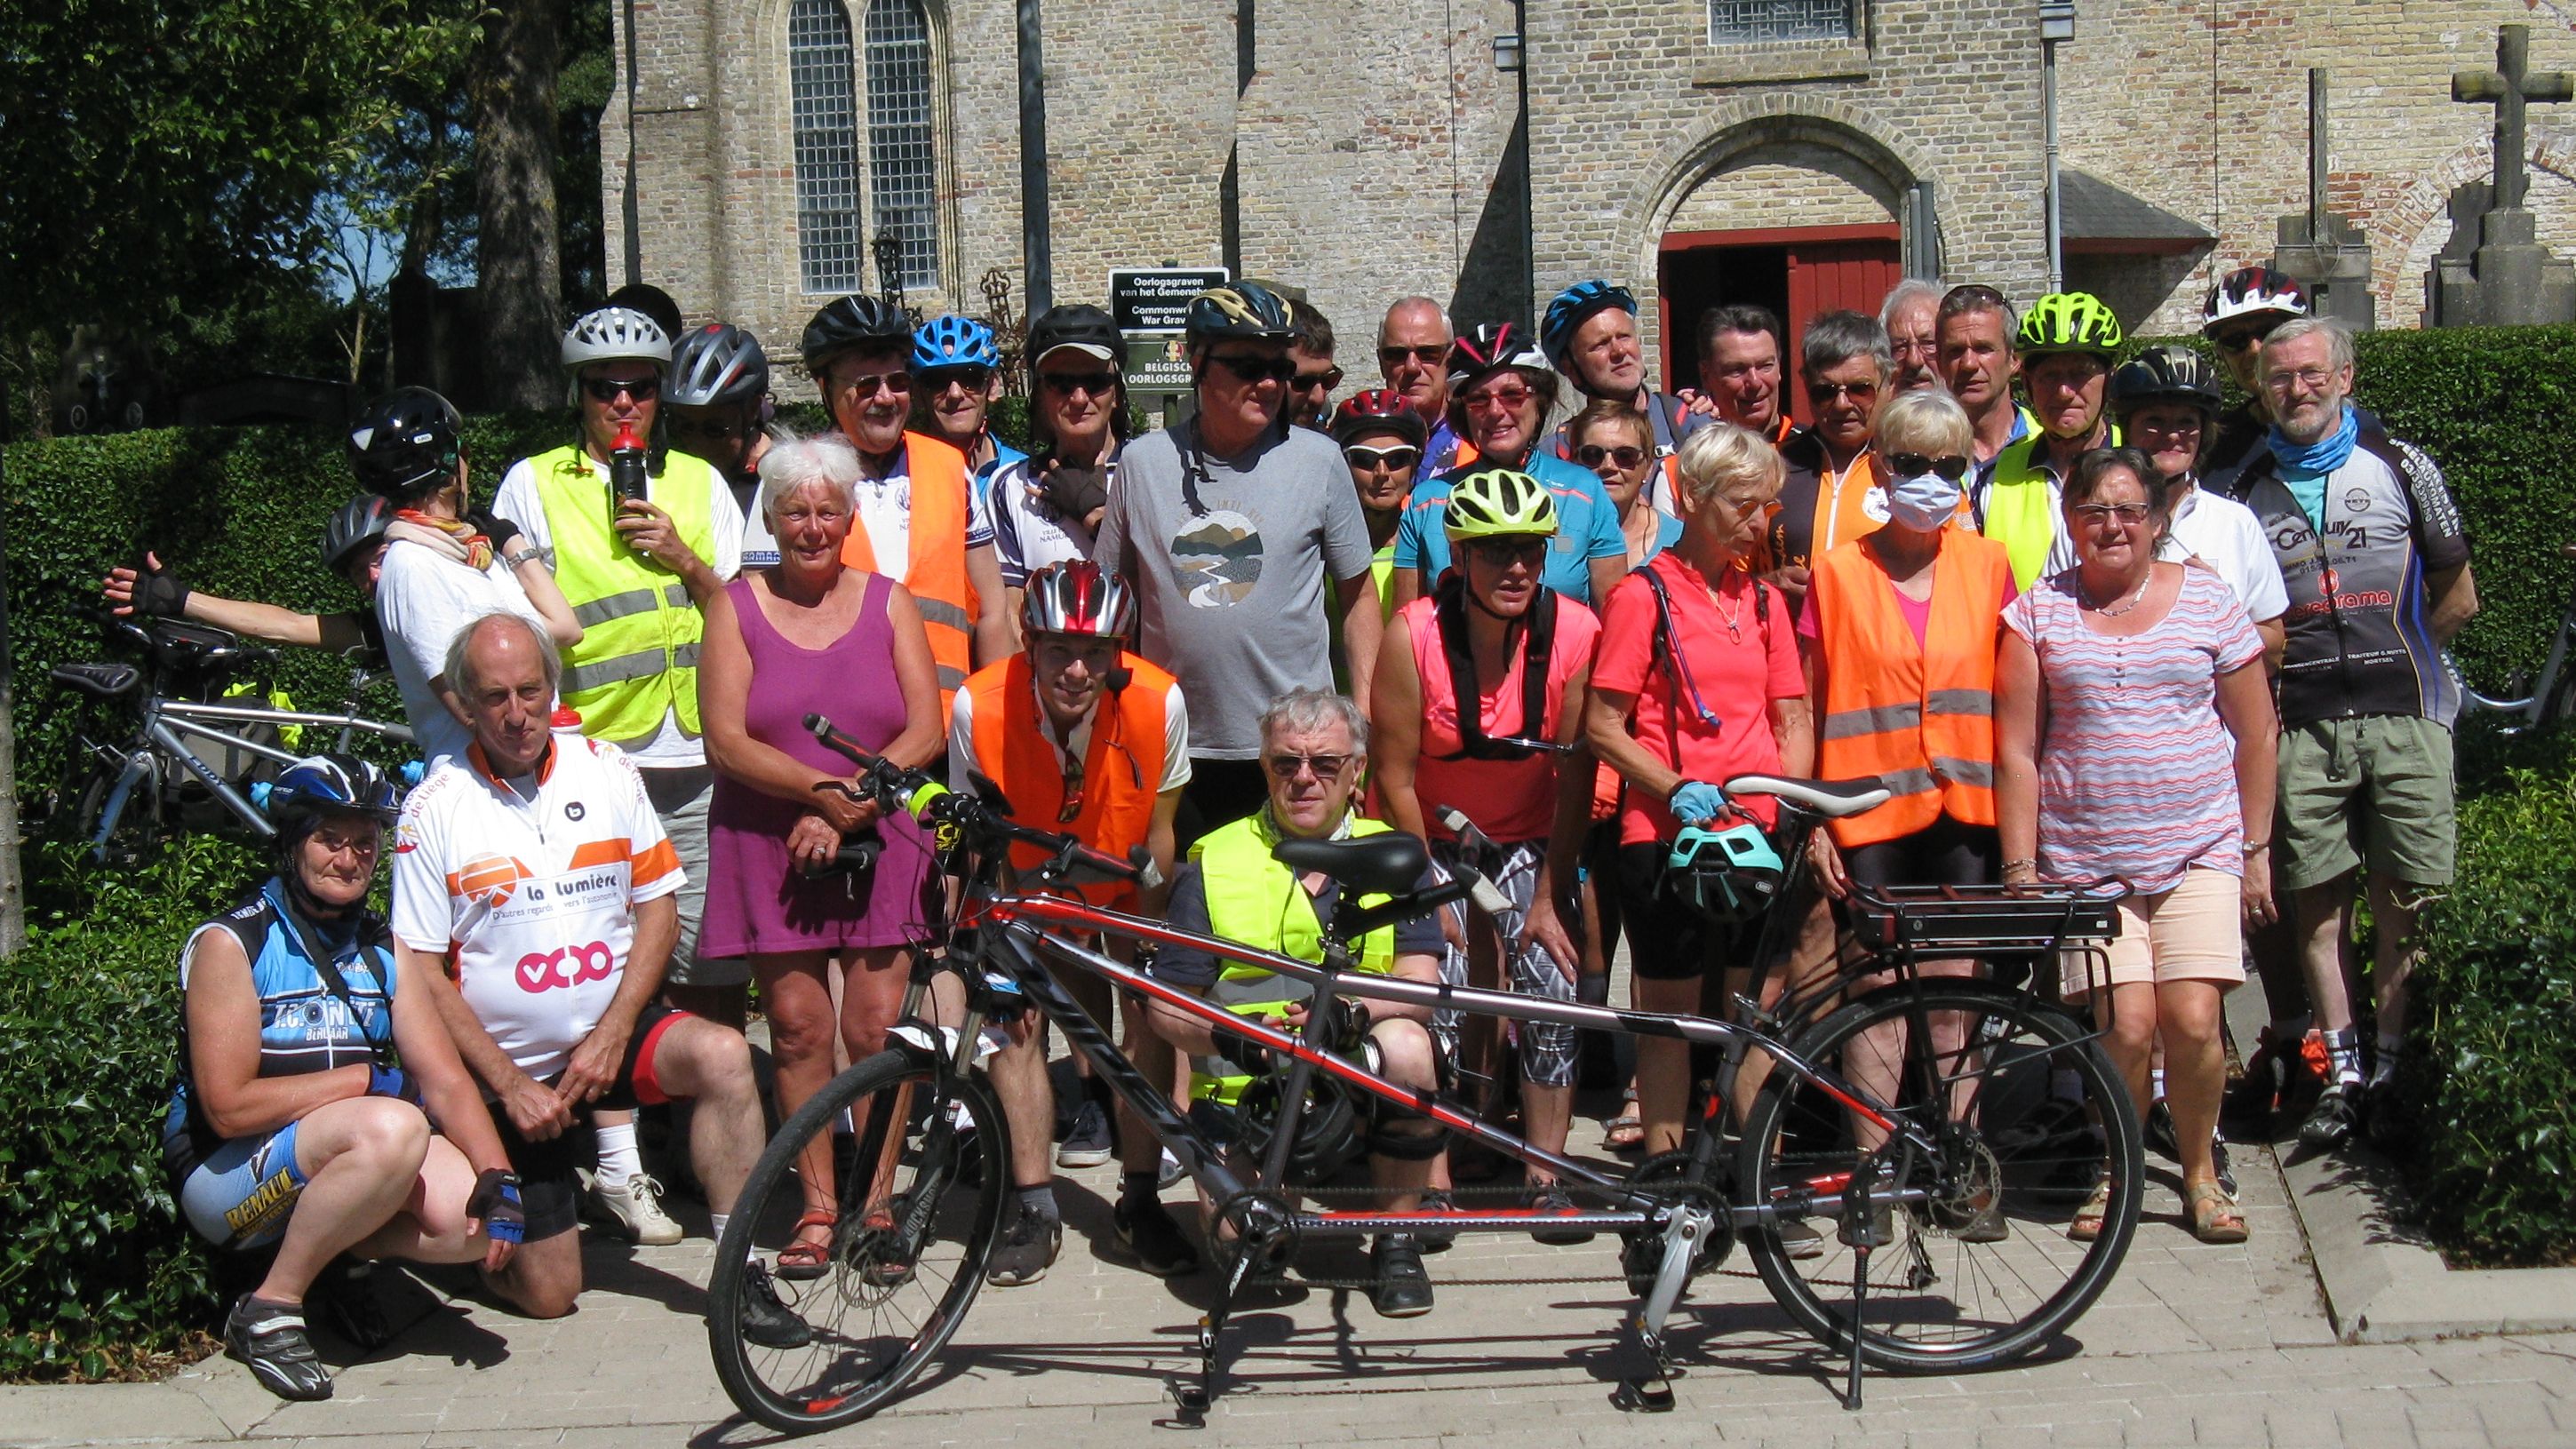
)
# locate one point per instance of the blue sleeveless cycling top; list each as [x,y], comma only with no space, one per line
[303,1027]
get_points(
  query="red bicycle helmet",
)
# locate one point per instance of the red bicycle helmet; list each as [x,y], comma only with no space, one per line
[1077,598]
[1378,410]
[2254,291]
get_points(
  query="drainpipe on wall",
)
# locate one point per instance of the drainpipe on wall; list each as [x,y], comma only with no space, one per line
[2056,25]
[1037,237]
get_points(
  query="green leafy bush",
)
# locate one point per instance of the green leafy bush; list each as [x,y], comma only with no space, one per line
[2493,1089]
[97,1272]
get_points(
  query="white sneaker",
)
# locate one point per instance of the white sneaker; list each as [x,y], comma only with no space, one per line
[634,1210]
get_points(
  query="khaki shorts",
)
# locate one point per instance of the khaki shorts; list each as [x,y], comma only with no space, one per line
[2188,933]
[680,797]
[2373,791]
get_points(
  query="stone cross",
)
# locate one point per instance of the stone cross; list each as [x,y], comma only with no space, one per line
[2508,87]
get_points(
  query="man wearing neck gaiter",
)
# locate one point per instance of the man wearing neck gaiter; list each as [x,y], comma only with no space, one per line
[2372,551]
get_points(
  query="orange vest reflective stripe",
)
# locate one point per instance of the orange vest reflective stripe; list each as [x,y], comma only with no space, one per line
[1920,717]
[935,566]
[1122,768]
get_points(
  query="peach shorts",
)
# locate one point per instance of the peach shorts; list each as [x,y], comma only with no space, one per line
[2189,933]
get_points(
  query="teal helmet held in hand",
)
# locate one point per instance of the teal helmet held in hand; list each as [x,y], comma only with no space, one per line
[1728,874]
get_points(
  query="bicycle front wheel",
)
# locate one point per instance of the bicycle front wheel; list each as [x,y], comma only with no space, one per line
[921,1168]
[1976,1266]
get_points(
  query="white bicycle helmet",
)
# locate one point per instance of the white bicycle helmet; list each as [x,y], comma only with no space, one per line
[614,333]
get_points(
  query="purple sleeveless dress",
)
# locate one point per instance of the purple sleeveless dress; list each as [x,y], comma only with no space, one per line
[757,903]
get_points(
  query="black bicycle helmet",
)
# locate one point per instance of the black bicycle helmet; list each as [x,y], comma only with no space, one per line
[1328,1131]
[2166,374]
[405,438]
[715,364]
[854,322]
[360,522]
[1081,326]
[1245,311]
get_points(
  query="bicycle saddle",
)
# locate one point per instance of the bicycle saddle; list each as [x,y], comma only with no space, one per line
[107,681]
[1387,864]
[1831,799]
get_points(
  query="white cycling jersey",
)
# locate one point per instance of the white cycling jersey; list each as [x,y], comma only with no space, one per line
[529,887]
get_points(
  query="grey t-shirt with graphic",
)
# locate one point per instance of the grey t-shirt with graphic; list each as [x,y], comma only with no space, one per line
[1230,573]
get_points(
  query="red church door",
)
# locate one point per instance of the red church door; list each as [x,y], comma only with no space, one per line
[1794,272]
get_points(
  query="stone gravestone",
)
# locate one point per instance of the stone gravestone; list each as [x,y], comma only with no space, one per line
[2325,251]
[2510,279]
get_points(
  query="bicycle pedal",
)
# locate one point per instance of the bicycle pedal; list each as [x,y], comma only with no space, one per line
[1643,1396]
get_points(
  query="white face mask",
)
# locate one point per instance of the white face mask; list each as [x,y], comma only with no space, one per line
[1923,502]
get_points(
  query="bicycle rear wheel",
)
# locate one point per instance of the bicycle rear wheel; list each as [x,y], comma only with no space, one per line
[921,1163]
[2026,1113]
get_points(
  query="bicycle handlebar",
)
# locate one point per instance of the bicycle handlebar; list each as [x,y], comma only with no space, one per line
[916,794]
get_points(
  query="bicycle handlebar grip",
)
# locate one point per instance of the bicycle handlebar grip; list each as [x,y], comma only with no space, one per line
[1488,896]
[1148,875]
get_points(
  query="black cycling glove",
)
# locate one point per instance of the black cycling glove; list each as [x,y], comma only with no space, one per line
[158,592]
[499,530]
[496,1203]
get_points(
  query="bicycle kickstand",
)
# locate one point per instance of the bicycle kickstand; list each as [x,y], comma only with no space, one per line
[1193,1400]
[1860,1290]
[1652,1392]
[1860,1231]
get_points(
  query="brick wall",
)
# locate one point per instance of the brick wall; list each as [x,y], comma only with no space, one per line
[1374,159]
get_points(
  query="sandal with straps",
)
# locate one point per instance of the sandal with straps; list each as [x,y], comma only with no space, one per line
[1627,1131]
[2214,1215]
[2087,1224]
[801,1261]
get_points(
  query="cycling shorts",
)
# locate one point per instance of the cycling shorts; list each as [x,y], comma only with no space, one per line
[242,1193]
[549,1190]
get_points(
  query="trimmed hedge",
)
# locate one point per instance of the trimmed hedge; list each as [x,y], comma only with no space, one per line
[2491,1146]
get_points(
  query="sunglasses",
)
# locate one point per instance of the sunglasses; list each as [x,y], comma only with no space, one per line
[1097,384]
[1328,379]
[1254,369]
[1395,357]
[2242,339]
[974,377]
[1502,553]
[606,389]
[869,386]
[1508,400]
[1821,393]
[1915,465]
[1395,459]
[2094,515]
[1593,455]
[1326,767]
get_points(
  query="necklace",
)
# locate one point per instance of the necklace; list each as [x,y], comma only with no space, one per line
[1731,618]
[2108,612]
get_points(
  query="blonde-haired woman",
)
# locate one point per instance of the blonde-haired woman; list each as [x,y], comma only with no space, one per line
[1696,681]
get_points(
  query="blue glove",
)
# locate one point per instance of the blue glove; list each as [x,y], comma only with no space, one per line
[495,1204]
[1696,802]
[389,1082]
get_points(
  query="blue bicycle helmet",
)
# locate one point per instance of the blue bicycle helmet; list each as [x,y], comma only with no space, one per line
[953,341]
[1728,874]
[1575,306]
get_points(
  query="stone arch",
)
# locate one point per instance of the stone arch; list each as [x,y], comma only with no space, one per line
[1749,123]
[2421,215]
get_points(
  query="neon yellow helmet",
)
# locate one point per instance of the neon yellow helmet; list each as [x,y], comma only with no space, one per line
[1499,502]
[2070,322]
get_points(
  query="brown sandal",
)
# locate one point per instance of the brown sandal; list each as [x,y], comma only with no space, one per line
[2089,1218]
[801,1261]
[2214,1215]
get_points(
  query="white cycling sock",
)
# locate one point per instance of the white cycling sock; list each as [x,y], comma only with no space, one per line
[618,1159]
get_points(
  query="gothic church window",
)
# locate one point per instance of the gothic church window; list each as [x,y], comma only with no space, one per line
[826,127]
[903,186]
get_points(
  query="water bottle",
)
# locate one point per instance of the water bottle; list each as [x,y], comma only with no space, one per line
[626,472]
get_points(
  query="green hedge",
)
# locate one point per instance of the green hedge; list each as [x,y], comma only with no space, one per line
[2492,1143]
[97,1272]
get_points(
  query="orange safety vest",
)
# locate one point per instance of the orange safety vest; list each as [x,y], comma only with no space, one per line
[1921,718]
[1122,769]
[935,570]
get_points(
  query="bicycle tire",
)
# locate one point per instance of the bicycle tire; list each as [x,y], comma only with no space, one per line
[853,1368]
[2037,1154]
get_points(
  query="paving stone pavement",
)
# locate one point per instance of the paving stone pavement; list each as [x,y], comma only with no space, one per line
[2191,1345]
